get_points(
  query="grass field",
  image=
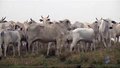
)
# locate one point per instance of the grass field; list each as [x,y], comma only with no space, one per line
[83,59]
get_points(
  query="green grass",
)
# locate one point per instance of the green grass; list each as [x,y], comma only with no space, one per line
[87,59]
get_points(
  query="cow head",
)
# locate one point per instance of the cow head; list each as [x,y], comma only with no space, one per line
[45,20]
[31,21]
[109,23]
[98,21]
[66,23]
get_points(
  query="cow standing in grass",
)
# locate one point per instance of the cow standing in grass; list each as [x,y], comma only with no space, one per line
[85,34]
[105,29]
[47,33]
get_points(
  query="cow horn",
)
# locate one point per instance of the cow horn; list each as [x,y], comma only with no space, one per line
[4,18]
[31,19]
[101,18]
[105,20]
[48,16]
[41,16]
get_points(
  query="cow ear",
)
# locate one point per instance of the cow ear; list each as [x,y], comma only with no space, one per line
[48,16]
[61,21]
[96,19]
[21,29]
[31,19]
[67,21]
[101,18]
[16,27]
[41,16]
[96,22]
[50,22]
[40,20]
[48,19]
[5,21]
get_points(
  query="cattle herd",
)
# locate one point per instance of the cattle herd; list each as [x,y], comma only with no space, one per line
[62,34]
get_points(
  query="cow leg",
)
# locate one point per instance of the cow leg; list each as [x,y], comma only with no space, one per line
[48,48]
[99,38]
[94,44]
[29,45]
[57,47]
[109,42]
[78,47]
[13,50]
[91,47]
[82,46]
[117,39]
[103,40]
[19,48]
[87,46]
[37,47]
[62,45]
[5,50]
[33,47]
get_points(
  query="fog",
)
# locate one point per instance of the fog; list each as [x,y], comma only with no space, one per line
[74,10]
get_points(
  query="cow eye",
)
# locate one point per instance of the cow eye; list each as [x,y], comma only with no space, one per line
[95,21]
[41,20]
[48,19]
[113,22]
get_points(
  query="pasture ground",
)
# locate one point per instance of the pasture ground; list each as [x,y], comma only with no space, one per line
[93,59]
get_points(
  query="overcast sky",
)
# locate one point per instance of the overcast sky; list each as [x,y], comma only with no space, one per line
[75,10]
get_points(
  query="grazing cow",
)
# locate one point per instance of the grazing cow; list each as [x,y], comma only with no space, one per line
[105,29]
[47,33]
[84,34]
[9,37]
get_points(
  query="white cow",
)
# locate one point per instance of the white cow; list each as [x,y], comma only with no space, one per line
[84,34]
[105,29]
[10,37]
[116,32]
